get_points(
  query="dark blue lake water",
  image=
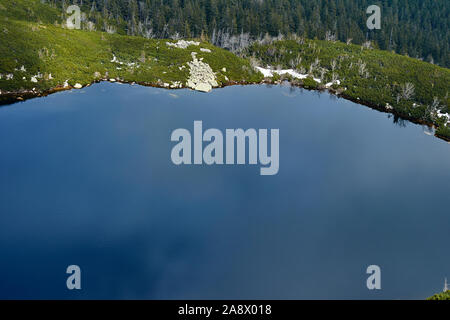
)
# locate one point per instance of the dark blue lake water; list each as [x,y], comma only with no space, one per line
[86,178]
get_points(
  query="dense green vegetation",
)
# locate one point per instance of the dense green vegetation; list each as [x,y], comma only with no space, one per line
[441,296]
[50,55]
[29,10]
[419,28]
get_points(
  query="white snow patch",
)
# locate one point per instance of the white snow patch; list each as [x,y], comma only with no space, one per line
[329,84]
[444,115]
[267,72]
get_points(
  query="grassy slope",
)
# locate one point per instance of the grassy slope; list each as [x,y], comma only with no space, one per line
[29,10]
[30,38]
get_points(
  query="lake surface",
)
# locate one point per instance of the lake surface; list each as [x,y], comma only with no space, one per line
[86,179]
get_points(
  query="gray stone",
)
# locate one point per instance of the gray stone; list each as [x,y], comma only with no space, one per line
[203,87]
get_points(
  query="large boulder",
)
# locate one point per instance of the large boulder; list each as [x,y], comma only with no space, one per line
[203,87]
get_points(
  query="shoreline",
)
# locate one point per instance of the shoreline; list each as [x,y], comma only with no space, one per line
[10,98]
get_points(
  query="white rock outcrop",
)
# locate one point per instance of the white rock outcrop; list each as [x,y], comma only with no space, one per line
[183,44]
[201,77]
[78,86]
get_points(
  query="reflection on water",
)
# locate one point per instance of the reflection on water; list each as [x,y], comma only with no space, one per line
[86,178]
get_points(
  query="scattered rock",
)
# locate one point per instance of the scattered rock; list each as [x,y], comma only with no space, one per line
[201,77]
[176,84]
[33,79]
[78,86]
[205,50]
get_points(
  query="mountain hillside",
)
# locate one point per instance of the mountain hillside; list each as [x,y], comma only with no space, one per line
[418,28]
